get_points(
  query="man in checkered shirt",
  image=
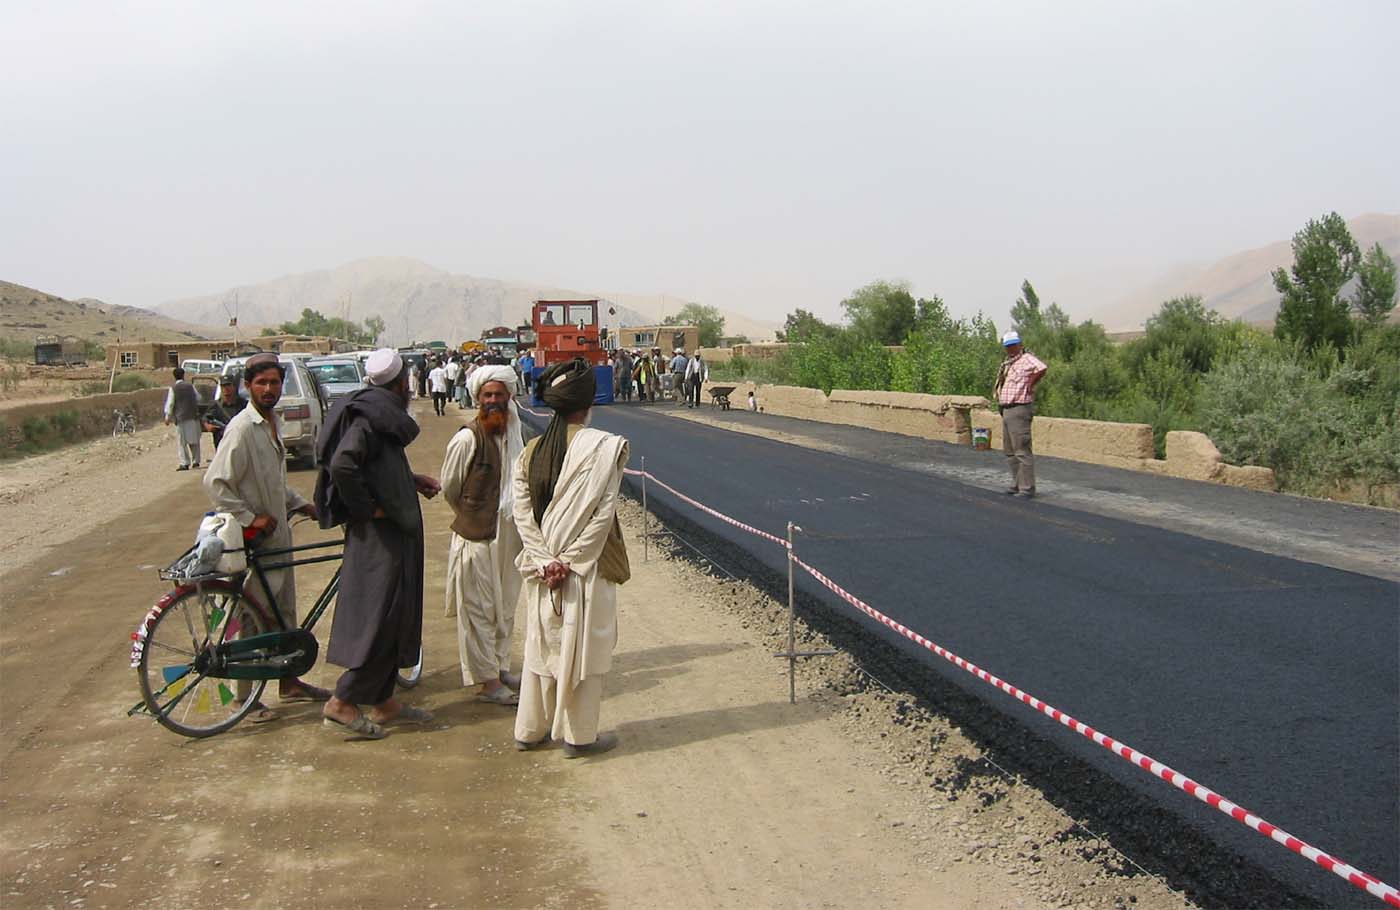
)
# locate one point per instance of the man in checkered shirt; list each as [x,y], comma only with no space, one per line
[1015,393]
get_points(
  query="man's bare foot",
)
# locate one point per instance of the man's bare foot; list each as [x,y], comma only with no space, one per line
[342,711]
[385,711]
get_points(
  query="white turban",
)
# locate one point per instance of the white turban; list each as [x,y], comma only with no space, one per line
[383,366]
[493,372]
[515,443]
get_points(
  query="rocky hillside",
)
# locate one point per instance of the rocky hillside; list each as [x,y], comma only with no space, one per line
[26,313]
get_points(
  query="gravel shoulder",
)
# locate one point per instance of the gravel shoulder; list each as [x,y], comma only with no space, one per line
[722,794]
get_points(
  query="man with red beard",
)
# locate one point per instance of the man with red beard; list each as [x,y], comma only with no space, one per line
[483,583]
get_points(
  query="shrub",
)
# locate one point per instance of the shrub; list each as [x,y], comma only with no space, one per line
[132,382]
[67,425]
[1267,408]
[36,431]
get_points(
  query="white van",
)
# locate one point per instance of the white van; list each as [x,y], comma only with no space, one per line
[202,367]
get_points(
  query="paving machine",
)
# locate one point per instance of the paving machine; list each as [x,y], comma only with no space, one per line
[565,329]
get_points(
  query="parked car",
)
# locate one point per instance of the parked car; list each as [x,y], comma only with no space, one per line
[202,367]
[302,409]
[339,376]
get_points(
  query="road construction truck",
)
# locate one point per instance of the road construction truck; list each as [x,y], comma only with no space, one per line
[566,329]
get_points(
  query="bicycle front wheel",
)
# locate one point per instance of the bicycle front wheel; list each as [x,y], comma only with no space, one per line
[181,628]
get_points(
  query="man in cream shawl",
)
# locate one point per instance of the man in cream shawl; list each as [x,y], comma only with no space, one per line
[566,492]
[483,584]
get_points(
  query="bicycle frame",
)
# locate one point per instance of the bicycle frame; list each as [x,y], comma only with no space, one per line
[328,593]
[283,558]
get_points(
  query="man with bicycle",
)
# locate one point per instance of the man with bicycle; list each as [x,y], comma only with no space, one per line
[248,479]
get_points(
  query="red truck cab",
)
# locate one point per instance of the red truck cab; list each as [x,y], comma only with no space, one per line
[565,329]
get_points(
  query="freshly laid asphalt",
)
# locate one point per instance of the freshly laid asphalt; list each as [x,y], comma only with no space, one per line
[1274,681]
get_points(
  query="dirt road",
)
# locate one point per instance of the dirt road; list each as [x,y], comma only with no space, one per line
[721,794]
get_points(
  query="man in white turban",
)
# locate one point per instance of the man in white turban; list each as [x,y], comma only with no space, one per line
[483,584]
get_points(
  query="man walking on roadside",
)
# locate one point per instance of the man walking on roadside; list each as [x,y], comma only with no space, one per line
[623,372]
[366,484]
[453,369]
[527,371]
[437,384]
[677,367]
[643,372]
[697,372]
[182,409]
[248,479]
[566,491]
[1015,395]
[483,583]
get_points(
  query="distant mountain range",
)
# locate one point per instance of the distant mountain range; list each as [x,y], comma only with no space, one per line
[1238,286]
[417,302]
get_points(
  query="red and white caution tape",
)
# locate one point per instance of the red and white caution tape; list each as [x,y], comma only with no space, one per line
[706,509]
[1363,880]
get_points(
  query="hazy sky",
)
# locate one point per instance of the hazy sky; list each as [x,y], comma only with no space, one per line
[758,156]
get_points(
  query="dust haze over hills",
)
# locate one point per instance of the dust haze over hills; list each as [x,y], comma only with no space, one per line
[420,302]
[1238,286]
[417,301]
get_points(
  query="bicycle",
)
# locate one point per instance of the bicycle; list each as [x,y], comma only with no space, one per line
[205,652]
[124,423]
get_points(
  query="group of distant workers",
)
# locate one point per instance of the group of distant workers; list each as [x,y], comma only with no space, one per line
[650,375]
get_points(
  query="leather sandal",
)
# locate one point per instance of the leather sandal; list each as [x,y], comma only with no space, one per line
[359,728]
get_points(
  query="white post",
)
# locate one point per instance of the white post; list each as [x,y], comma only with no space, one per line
[792,625]
[646,518]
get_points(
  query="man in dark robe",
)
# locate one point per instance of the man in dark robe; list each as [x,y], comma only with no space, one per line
[367,485]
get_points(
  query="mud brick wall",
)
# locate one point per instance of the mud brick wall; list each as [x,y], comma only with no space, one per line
[950,418]
[33,427]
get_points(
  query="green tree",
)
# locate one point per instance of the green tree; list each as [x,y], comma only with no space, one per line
[800,326]
[1375,286]
[313,323]
[1025,313]
[1185,324]
[1312,311]
[882,312]
[374,327]
[707,319]
[932,315]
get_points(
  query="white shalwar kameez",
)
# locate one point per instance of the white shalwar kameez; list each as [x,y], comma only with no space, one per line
[248,478]
[483,585]
[567,654]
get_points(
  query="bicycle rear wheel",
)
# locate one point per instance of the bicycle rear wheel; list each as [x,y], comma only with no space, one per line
[410,676]
[182,627]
